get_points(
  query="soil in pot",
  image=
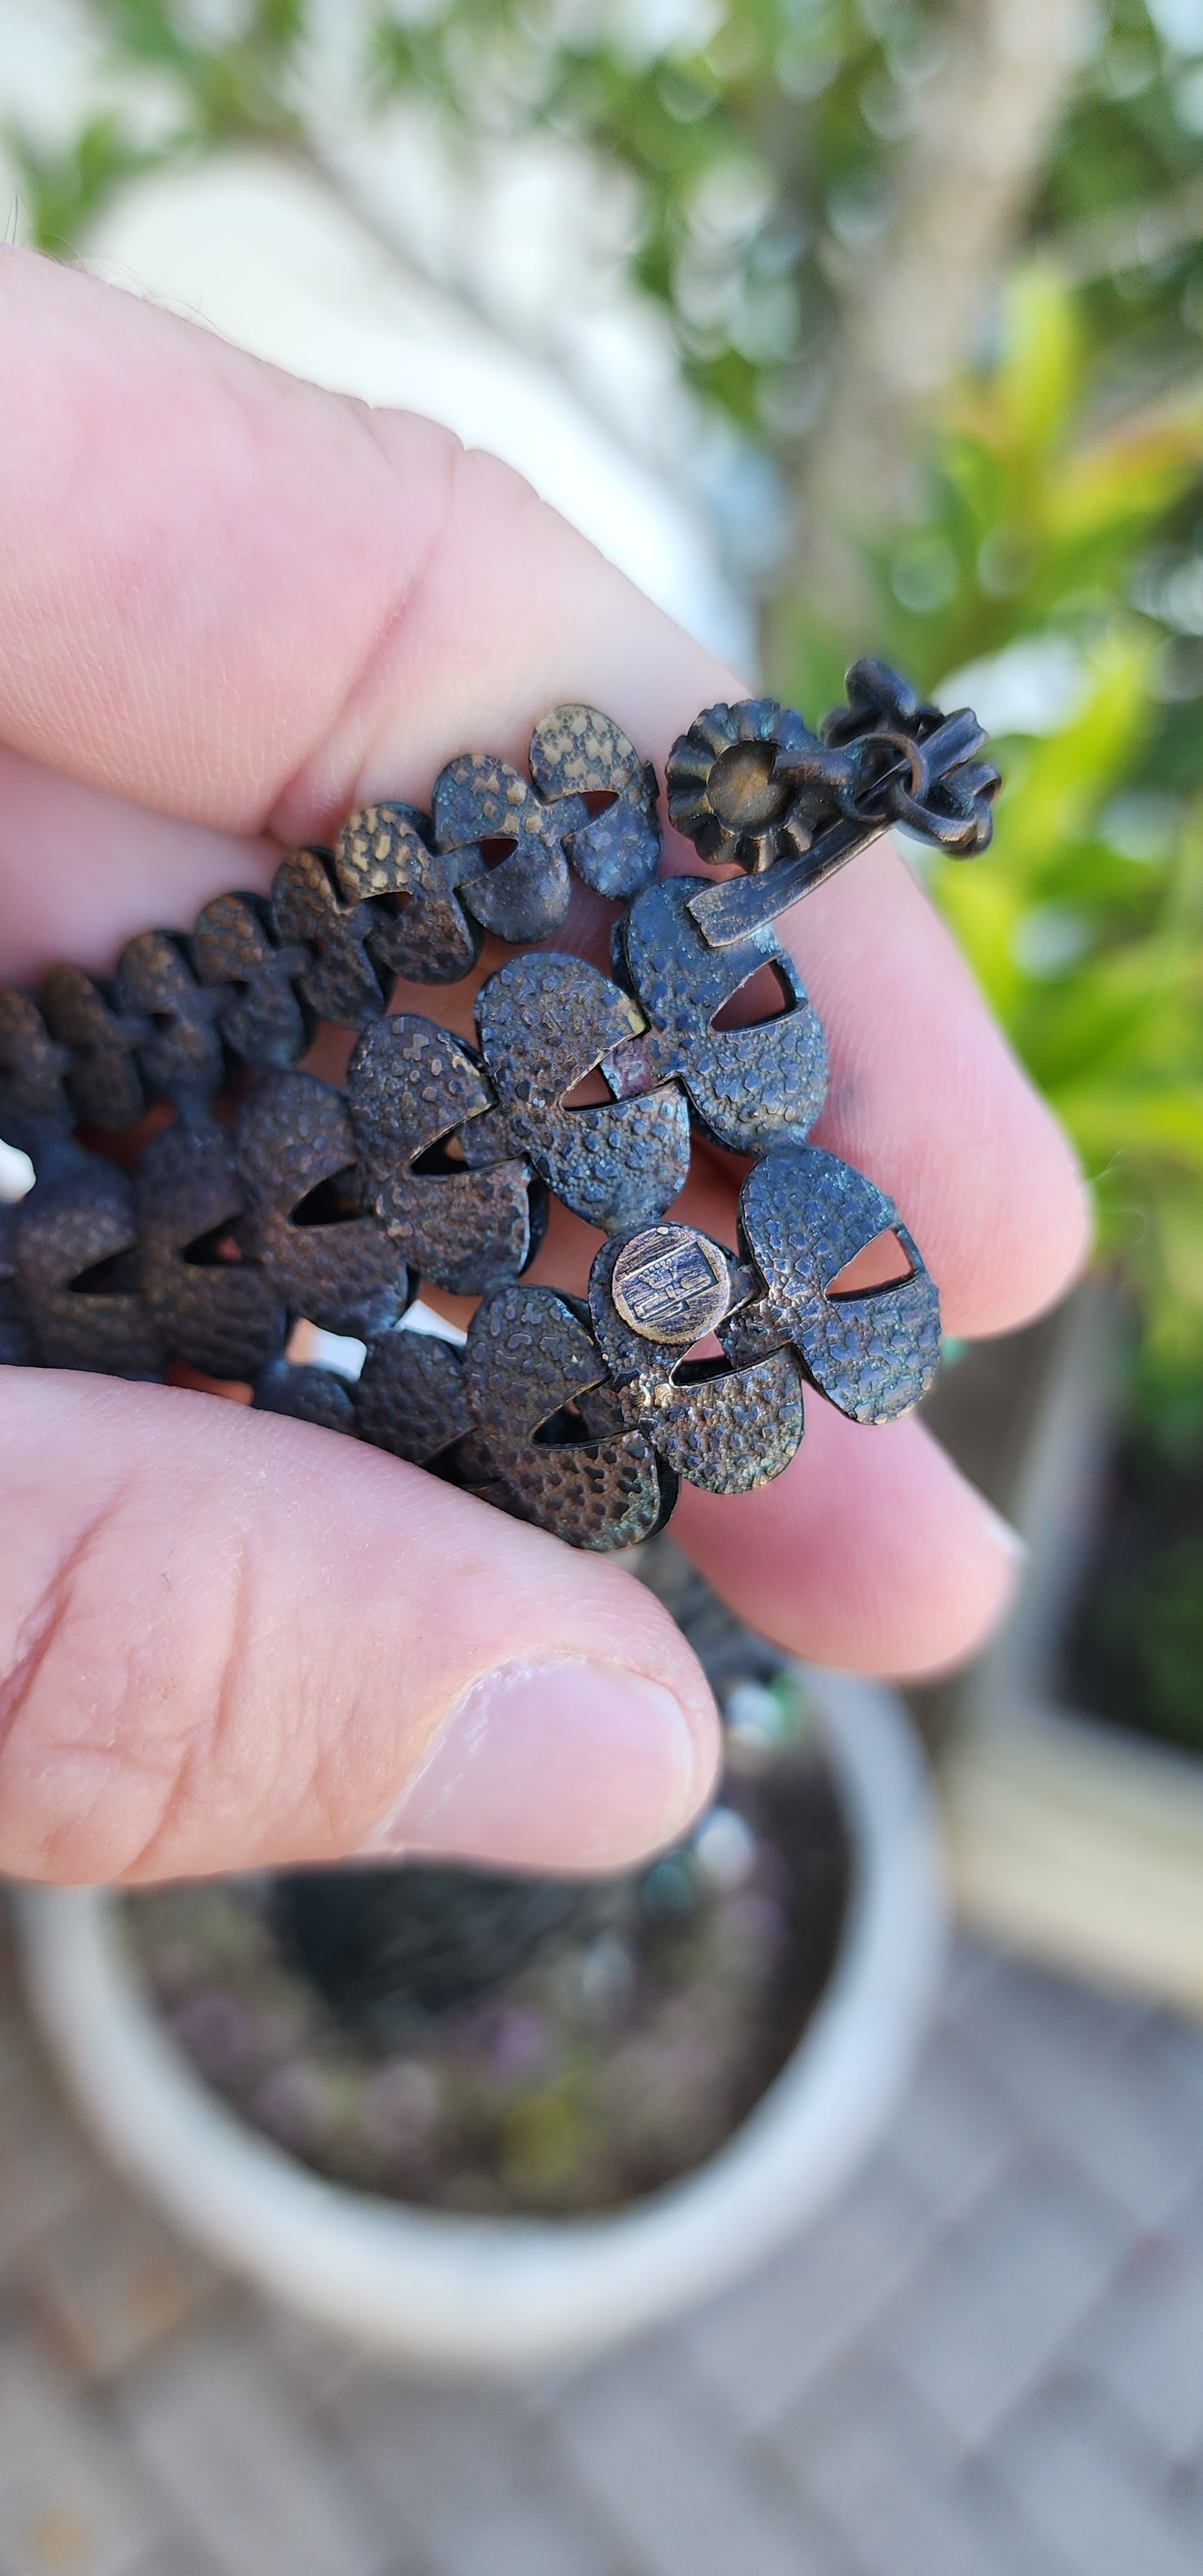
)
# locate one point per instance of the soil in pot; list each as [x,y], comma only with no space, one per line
[1134,1645]
[470,2043]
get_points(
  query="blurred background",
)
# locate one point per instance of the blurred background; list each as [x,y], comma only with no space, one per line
[843,325]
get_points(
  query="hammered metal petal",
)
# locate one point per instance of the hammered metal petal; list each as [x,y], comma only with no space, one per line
[104,1082]
[530,1354]
[478,800]
[217,1312]
[409,1086]
[749,1087]
[75,1247]
[411,1397]
[309,1394]
[335,1265]
[261,1017]
[803,1217]
[577,752]
[181,1057]
[340,980]
[733,1431]
[424,932]
[544,1023]
[18,1347]
[34,1108]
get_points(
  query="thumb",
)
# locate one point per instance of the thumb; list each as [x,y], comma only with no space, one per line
[229,1640]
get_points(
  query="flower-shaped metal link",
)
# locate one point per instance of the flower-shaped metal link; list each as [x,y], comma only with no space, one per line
[76,1270]
[207,1305]
[339,979]
[180,1057]
[423,931]
[305,1225]
[410,1088]
[511,839]
[716,1424]
[752,785]
[261,1015]
[804,1216]
[35,1111]
[724,791]
[529,1364]
[583,759]
[507,846]
[104,1081]
[749,1087]
[544,1023]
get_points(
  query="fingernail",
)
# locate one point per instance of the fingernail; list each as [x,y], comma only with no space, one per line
[554,1765]
[1006,1539]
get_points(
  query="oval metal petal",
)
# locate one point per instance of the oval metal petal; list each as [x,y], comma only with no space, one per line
[338,978]
[219,1313]
[409,1086]
[423,931]
[544,1023]
[337,1266]
[104,1082]
[308,1394]
[730,1432]
[803,1217]
[529,1355]
[577,752]
[750,1087]
[75,1266]
[479,799]
[411,1397]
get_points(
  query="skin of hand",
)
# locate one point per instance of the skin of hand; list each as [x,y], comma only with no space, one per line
[233,608]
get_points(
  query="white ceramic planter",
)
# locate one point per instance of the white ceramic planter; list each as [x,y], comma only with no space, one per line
[1070,1841]
[511,2294]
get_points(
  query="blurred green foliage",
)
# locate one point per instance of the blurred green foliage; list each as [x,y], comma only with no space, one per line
[1146,1636]
[65,184]
[758,137]
[751,132]
[212,90]
[1045,548]
[1059,517]
[761,136]
[1135,1646]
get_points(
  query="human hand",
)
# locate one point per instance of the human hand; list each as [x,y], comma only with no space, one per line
[234,607]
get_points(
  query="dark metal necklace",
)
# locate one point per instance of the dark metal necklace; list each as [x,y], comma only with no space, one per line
[436,1163]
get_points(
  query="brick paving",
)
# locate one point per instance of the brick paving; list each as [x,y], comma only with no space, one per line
[988,2360]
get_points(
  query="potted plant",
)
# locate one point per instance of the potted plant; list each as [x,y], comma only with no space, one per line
[492,2124]
[1071,1781]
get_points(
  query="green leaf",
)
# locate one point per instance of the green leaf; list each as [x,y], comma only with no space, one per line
[64,189]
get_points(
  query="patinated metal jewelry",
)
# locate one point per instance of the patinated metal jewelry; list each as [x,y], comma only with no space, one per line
[435,1166]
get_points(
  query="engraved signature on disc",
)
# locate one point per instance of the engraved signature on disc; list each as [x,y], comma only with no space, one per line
[670,1284]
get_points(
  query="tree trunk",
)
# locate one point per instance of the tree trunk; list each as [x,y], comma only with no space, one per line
[913,303]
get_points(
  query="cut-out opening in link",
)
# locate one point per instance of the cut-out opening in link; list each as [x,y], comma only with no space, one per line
[883,1263]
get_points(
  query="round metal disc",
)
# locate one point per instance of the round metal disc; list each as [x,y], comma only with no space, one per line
[670,1284]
